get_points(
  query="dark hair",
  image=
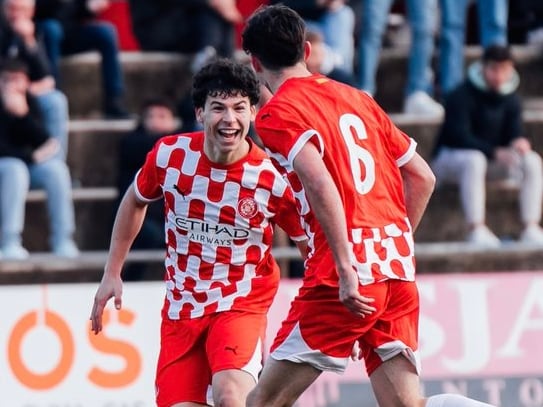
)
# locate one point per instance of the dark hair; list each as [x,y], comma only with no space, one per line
[156,101]
[497,53]
[14,65]
[224,77]
[276,36]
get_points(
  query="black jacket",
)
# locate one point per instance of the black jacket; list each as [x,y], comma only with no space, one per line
[476,118]
[20,136]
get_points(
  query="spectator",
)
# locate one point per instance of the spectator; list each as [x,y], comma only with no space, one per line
[320,60]
[27,159]
[335,20]
[492,27]
[18,40]
[481,138]
[156,120]
[419,87]
[70,28]
[189,26]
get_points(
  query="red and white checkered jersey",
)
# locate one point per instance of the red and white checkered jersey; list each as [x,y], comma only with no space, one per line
[363,151]
[219,223]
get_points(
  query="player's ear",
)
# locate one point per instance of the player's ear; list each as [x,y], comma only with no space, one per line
[307,50]
[256,64]
[199,113]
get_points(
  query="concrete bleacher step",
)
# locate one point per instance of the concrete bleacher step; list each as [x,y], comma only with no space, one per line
[94,213]
[449,257]
[93,150]
[392,73]
[169,75]
[148,74]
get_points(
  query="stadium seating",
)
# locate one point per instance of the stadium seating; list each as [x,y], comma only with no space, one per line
[93,148]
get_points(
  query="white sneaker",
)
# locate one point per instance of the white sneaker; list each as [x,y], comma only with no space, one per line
[421,104]
[482,236]
[14,251]
[66,248]
[533,235]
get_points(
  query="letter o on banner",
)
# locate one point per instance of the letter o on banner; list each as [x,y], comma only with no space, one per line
[55,376]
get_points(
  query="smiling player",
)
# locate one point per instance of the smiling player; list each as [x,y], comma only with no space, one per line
[222,198]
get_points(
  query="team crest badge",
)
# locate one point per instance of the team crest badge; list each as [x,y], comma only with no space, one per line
[247,207]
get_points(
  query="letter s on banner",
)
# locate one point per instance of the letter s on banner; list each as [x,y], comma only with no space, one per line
[112,346]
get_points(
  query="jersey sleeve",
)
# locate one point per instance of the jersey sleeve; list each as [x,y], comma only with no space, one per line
[400,145]
[146,183]
[283,132]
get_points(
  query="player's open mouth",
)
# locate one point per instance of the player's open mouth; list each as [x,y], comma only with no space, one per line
[230,133]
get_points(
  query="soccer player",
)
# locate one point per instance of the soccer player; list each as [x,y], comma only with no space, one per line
[362,190]
[222,197]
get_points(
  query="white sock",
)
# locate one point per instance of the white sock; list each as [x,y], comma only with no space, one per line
[453,400]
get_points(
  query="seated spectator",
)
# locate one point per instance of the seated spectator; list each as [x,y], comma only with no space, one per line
[321,61]
[71,27]
[18,40]
[336,22]
[156,120]
[481,139]
[27,159]
[492,16]
[419,87]
[194,26]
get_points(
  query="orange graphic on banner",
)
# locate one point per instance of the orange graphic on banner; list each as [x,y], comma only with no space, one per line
[52,378]
[112,346]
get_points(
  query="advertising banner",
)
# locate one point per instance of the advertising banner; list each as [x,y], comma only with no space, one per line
[481,335]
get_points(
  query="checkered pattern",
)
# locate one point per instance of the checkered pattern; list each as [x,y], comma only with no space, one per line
[219,226]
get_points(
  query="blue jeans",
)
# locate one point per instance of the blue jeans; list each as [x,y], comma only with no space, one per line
[54,109]
[421,14]
[492,28]
[337,27]
[93,36]
[15,179]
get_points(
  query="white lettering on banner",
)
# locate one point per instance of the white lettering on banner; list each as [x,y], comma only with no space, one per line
[531,393]
[432,335]
[494,389]
[533,301]
[475,327]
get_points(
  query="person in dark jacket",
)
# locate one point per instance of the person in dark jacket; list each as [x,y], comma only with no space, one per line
[156,120]
[19,39]
[28,159]
[482,139]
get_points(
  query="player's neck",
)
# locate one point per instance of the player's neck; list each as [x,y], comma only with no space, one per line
[276,78]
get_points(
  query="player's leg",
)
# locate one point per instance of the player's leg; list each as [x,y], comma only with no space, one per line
[281,383]
[183,376]
[396,383]
[234,351]
[390,352]
[231,387]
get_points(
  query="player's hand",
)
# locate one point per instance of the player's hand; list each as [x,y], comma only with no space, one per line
[356,352]
[14,100]
[109,287]
[351,298]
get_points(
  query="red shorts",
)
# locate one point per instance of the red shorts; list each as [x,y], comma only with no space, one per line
[192,350]
[321,331]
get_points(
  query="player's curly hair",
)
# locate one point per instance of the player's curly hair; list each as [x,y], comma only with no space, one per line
[224,77]
[276,36]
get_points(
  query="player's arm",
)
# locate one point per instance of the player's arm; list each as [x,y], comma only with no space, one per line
[327,206]
[128,221]
[419,182]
